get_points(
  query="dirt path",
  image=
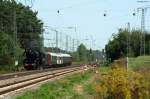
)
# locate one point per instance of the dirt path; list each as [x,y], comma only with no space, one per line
[80,88]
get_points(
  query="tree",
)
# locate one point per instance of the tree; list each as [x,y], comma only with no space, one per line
[28,27]
[18,21]
[82,52]
[7,47]
[117,47]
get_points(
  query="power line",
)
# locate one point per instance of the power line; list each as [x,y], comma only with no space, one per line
[142,1]
[77,5]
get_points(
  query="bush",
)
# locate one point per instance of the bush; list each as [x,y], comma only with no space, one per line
[122,84]
[8,49]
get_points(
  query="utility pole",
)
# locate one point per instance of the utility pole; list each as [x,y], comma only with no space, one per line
[73,41]
[56,37]
[56,40]
[15,27]
[142,48]
[142,41]
[129,26]
[67,43]
[128,45]
[15,35]
[128,40]
[53,47]
[143,11]
[70,43]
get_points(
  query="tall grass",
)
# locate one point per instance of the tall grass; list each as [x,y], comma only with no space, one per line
[139,62]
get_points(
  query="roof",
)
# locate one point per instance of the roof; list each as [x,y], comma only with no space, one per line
[58,54]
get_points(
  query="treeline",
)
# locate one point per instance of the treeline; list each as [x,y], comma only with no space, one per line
[19,29]
[86,55]
[117,46]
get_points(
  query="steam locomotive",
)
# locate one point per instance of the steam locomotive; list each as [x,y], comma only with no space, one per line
[40,60]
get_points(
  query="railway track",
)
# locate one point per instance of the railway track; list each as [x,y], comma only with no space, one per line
[25,73]
[11,85]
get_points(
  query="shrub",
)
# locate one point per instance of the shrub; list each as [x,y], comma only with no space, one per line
[122,84]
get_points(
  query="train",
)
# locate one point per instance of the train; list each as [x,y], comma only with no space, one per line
[41,60]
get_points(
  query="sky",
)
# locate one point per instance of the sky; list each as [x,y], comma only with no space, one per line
[86,17]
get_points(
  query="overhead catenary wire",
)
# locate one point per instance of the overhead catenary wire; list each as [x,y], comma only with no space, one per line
[77,5]
[68,7]
[59,40]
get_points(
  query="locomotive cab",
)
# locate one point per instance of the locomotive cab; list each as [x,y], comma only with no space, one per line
[33,59]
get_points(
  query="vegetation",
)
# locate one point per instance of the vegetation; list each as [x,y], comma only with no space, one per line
[117,46]
[83,55]
[108,83]
[67,88]
[139,62]
[19,29]
[104,69]
[122,84]
[141,65]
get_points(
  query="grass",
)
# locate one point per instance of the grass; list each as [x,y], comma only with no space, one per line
[10,68]
[6,69]
[139,62]
[105,69]
[76,86]
[78,62]
[142,65]
[66,88]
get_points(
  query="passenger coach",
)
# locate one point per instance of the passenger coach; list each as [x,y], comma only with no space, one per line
[58,59]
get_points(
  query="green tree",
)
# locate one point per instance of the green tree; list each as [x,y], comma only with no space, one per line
[8,49]
[17,20]
[117,47]
[28,27]
[82,52]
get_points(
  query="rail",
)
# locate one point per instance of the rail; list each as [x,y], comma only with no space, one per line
[26,81]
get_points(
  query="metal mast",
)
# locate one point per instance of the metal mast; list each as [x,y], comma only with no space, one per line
[128,40]
[142,41]
[66,42]
[73,41]
[142,48]
[56,39]
[15,34]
